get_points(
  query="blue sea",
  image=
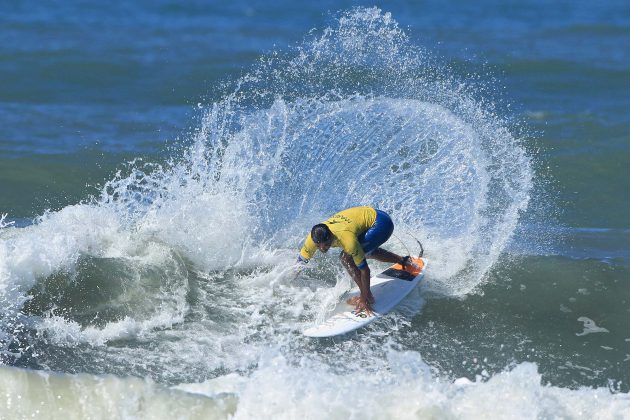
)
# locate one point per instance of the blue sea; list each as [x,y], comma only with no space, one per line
[161,163]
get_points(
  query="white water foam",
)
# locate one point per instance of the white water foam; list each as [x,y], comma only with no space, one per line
[407,390]
[57,242]
[28,394]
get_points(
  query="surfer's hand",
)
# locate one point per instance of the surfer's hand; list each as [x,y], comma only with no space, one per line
[364,306]
[297,268]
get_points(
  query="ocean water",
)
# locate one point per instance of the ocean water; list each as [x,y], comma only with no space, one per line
[160,164]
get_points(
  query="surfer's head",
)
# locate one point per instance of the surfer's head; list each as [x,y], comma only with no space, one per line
[322,236]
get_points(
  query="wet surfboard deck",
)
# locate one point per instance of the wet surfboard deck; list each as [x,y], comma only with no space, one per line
[388,288]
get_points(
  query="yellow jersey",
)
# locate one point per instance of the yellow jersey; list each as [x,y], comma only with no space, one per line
[345,226]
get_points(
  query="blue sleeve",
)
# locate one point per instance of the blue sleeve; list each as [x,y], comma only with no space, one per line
[363,264]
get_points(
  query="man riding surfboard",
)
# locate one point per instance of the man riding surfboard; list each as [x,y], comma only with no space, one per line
[359,232]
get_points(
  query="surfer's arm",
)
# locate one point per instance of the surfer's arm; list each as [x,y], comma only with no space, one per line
[308,250]
[306,253]
[364,303]
[365,282]
[361,277]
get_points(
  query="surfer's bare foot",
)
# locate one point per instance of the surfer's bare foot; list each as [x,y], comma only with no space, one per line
[370,299]
[363,306]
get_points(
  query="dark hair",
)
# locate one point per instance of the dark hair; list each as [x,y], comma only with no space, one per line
[320,233]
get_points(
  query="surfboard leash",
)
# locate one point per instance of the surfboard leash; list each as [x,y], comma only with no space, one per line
[421,254]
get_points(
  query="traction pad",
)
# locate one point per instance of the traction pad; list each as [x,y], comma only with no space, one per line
[408,274]
[399,274]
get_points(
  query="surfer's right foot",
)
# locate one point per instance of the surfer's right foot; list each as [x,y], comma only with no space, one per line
[407,262]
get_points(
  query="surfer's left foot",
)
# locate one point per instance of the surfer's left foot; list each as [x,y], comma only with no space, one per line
[363,306]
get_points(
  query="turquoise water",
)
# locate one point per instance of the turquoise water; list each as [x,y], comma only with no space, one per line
[160,164]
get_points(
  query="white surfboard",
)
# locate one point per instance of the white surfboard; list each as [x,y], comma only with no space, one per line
[388,288]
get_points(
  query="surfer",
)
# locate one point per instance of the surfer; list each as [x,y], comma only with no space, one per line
[359,232]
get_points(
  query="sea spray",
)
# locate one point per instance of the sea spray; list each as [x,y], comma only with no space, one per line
[357,114]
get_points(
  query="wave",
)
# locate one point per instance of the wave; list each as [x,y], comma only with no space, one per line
[408,391]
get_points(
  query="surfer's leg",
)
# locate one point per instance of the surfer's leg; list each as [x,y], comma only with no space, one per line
[377,235]
[353,271]
[383,255]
